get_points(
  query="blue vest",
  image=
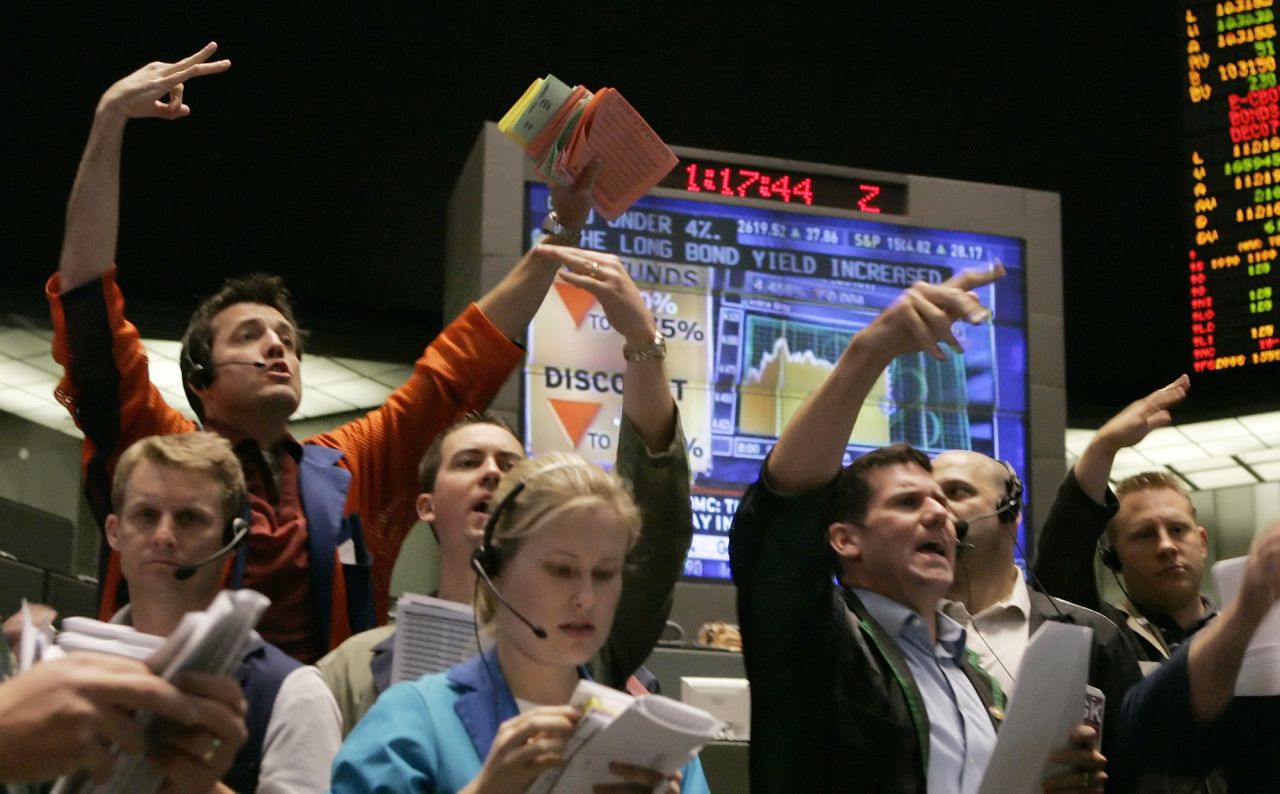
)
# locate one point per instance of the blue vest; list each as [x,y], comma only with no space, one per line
[260,675]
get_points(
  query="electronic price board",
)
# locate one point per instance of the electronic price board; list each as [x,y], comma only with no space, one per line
[757,301]
[1232,148]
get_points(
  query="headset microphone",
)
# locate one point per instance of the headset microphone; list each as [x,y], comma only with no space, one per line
[537,630]
[241,529]
[258,364]
[962,526]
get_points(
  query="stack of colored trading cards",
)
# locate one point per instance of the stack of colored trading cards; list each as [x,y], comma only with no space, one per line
[565,129]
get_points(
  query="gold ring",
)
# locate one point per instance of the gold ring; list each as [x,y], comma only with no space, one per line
[214,746]
[595,269]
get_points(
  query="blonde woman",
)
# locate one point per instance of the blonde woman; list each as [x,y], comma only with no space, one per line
[555,549]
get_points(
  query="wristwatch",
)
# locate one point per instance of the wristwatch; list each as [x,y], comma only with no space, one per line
[552,226]
[657,349]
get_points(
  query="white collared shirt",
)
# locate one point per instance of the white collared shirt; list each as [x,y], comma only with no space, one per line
[998,634]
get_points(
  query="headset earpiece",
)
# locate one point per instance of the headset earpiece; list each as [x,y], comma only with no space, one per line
[244,513]
[488,557]
[199,376]
[1010,505]
[1109,557]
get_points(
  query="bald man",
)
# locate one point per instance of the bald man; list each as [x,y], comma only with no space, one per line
[991,599]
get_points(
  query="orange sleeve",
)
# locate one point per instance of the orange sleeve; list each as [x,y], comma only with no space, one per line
[461,370]
[106,387]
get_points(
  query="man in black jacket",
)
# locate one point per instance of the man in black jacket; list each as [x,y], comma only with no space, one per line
[1154,544]
[1154,541]
[864,686]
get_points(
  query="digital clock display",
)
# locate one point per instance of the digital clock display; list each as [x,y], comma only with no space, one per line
[736,180]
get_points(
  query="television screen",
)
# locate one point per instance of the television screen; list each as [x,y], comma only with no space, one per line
[756,303]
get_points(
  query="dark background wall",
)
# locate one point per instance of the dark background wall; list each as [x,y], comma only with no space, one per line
[329,149]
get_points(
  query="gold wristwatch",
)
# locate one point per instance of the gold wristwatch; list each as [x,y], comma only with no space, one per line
[652,351]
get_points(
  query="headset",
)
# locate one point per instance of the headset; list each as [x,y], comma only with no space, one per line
[487,560]
[233,534]
[1010,505]
[1110,558]
[200,376]
[1007,507]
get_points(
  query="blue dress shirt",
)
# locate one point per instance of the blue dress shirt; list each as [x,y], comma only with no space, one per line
[961,737]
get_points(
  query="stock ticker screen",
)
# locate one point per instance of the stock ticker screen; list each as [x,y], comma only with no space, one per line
[756,304]
[1231,113]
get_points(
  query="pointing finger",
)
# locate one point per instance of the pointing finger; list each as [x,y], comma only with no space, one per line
[972,279]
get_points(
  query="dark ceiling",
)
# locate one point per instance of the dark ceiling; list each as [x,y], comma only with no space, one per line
[328,151]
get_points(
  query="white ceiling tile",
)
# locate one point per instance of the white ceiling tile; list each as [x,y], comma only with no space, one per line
[1261,455]
[163,348]
[1200,432]
[20,373]
[166,375]
[20,343]
[361,393]
[1221,478]
[316,403]
[1163,437]
[1172,455]
[1235,445]
[1206,463]
[321,370]
[368,368]
[1265,426]
[45,363]
[17,401]
[393,377]
[1268,471]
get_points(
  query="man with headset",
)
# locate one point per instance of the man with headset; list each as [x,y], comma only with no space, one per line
[178,501]
[1153,543]
[329,513]
[1153,540]
[992,600]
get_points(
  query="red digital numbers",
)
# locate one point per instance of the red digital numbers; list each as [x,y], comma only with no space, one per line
[746,183]
[869,192]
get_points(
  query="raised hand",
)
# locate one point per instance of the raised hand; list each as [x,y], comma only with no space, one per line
[572,203]
[1140,417]
[921,318]
[1125,429]
[606,277]
[155,90]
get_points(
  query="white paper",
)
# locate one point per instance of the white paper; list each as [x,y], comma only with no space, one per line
[1260,670]
[1051,679]
[213,641]
[431,636]
[653,732]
